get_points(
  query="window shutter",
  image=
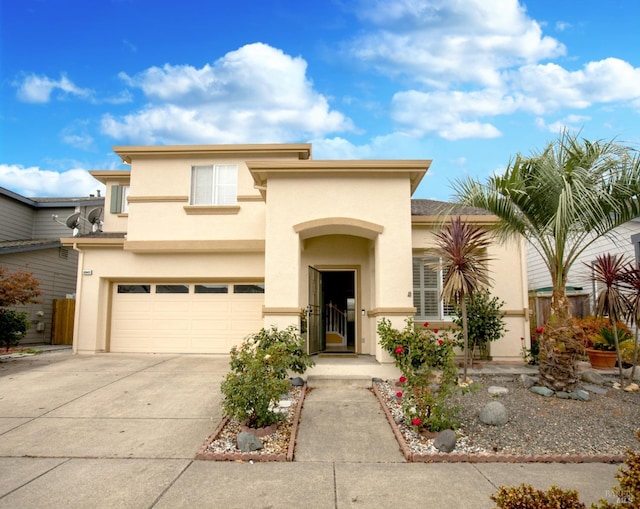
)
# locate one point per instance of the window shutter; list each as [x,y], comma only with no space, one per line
[116,199]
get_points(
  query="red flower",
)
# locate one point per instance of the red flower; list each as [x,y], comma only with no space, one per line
[399,349]
[416,422]
[540,330]
[436,331]
[402,379]
[440,342]
[399,394]
[426,324]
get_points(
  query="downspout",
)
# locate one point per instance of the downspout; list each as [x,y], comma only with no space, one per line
[76,313]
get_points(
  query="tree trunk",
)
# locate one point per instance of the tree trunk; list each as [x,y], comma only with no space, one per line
[465,333]
[561,345]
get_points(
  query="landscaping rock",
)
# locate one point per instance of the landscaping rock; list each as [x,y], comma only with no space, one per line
[636,375]
[594,388]
[445,441]
[248,442]
[563,395]
[592,377]
[632,387]
[297,381]
[529,381]
[542,391]
[496,390]
[580,395]
[494,413]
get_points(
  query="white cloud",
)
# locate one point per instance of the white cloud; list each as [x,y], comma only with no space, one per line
[256,93]
[38,89]
[438,42]
[570,122]
[389,146]
[33,181]
[451,115]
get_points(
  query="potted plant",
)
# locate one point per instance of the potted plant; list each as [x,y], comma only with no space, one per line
[601,347]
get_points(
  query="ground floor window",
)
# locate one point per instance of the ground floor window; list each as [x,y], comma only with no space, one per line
[427,288]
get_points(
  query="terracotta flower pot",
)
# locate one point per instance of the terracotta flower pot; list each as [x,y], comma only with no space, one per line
[602,359]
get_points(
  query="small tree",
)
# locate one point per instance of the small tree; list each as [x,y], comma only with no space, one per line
[631,279]
[608,270]
[485,320]
[463,250]
[16,288]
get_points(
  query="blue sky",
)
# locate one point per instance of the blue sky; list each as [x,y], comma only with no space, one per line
[466,83]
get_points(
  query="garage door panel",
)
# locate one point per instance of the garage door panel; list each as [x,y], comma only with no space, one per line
[183,323]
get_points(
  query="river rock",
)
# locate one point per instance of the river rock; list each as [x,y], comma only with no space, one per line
[590,376]
[445,441]
[580,395]
[494,413]
[248,442]
[528,381]
[496,390]
[542,391]
[297,381]
[594,388]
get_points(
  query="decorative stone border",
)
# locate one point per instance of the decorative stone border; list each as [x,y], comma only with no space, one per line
[486,457]
[249,456]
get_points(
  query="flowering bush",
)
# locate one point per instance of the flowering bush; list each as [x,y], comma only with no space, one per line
[259,375]
[429,374]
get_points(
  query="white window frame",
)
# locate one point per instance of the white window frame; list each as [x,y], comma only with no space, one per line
[119,199]
[420,291]
[214,184]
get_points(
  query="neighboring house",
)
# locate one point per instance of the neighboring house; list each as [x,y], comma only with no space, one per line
[203,245]
[581,289]
[30,240]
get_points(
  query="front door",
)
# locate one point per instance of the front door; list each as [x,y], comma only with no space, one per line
[315,332]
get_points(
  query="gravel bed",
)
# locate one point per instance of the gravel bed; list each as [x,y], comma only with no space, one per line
[537,425]
[275,443]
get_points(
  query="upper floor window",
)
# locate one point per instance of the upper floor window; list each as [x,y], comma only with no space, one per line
[119,203]
[214,184]
[427,288]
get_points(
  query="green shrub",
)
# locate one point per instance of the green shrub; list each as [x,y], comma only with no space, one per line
[485,320]
[429,374]
[13,327]
[526,496]
[259,373]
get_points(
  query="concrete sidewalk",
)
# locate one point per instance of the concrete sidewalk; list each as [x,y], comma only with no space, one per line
[122,431]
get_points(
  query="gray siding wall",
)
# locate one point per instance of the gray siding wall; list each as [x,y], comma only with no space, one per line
[16,220]
[580,275]
[57,276]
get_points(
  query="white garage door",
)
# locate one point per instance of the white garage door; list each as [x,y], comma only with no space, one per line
[184,318]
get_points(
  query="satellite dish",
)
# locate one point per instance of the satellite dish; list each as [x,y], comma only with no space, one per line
[73,220]
[94,215]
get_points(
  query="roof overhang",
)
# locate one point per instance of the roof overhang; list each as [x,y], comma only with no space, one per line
[442,219]
[299,150]
[262,171]
[105,176]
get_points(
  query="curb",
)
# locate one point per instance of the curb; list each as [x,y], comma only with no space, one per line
[254,456]
[452,457]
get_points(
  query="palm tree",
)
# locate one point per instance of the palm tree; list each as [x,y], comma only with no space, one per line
[462,249]
[560,200]
[611,301]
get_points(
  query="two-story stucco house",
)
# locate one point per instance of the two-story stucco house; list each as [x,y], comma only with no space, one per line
[203,245]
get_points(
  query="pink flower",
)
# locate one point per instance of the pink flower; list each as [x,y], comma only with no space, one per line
[402,379]
[436,331]
[399,394]
[416,421]
[540,330]
[440,342]
[399,349]
[425,324]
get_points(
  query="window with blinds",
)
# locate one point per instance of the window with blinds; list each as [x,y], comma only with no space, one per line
[214,184]
[427,287]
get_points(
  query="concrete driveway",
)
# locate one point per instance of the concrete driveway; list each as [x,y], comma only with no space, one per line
[123,430]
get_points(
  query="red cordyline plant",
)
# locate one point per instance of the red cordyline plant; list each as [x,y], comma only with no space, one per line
[631,280]
[462,249]
[608,270]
